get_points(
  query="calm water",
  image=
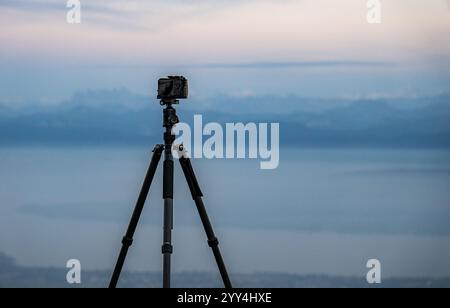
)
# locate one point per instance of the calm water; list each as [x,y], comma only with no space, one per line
[322,211]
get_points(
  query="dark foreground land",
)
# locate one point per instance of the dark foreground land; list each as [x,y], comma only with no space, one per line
[12,275]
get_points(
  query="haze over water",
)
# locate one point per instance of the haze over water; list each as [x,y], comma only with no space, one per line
[322,212]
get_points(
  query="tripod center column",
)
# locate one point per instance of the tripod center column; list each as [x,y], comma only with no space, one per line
[170,119]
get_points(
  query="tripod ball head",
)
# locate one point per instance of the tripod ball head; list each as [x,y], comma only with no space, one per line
[170,117]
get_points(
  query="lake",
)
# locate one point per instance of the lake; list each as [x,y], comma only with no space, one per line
[323,211]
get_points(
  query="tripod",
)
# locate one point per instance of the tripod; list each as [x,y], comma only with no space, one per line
[170,118]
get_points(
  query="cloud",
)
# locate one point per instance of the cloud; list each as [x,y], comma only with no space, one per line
[281,64]
[54,5]
[132,15]
[116,7]
[32,5]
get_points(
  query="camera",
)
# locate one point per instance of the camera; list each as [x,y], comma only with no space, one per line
[172,88]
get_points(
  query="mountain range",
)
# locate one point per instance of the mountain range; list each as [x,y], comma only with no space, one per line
[120,117]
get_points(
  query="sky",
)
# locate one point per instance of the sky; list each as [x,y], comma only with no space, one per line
[315,48]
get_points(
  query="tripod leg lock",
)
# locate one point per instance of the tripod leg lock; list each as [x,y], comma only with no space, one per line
[127,241]
[213,242]
[167,248]
[158,149]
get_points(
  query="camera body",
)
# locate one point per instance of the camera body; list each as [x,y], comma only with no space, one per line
[172,88]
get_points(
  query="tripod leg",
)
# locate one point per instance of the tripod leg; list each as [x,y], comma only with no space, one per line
[212,239]
[127,240]
[167,248]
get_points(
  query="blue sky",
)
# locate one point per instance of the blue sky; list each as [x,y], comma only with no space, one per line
[320,48]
